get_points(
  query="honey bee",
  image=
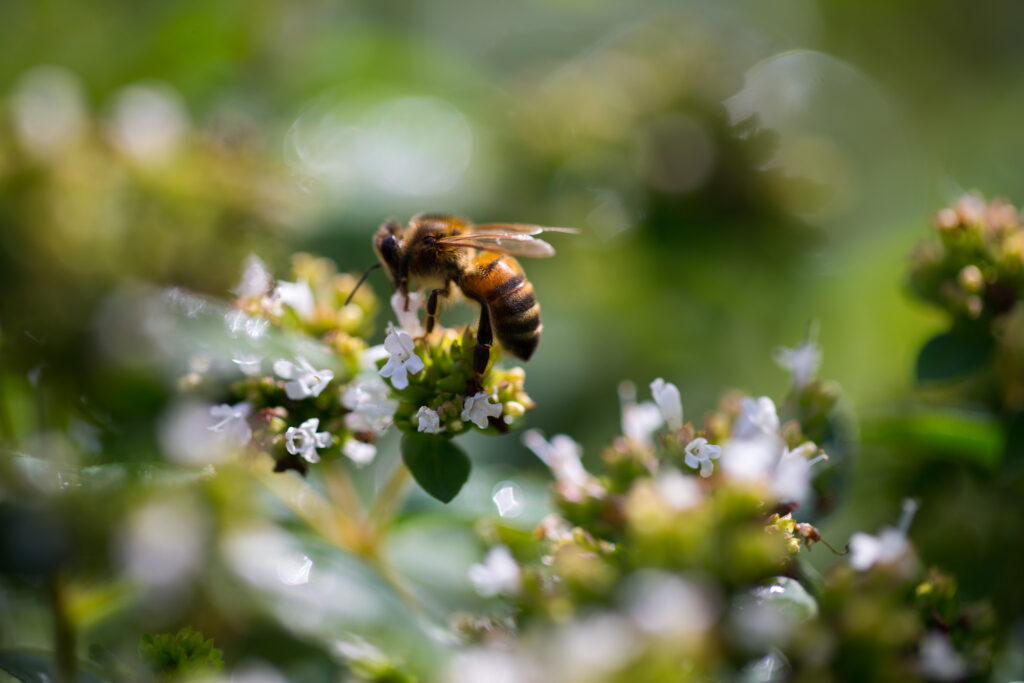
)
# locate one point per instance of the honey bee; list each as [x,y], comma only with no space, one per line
[480,260]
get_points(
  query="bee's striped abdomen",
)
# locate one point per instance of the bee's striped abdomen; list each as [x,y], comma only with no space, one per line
[498,282]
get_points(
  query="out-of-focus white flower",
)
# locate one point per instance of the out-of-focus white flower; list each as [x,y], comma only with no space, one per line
[296,295]
[802,362]
[498,574]
[700,453]
[428,421]
[639,420]
[491,665]
[256,280]
[867,550]
[666,606]
[889,545]
[304,440]
[562,455]
[358,452]
[478,408]
[937,659]
[791,479]
[368,361]
[47,110]
[750,460]
[256,672]
[162,544]
[679,491]
[593,648]
[234,424]
[372,410]
[149,122]
[408,320]
[666,395]
[305,381]
[248,363]
[403,361]
[757,419]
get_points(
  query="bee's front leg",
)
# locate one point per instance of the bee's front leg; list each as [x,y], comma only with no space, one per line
[481,352]
[432,303]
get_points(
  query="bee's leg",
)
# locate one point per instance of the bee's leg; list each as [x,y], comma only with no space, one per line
[482,351]
[432,307]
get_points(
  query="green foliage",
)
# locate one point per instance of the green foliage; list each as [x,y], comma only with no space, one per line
[177,655]
[439,466]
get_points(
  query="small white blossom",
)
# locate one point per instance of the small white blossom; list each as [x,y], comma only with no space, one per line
[679,491]
[256,280]
[428,421]
[149,122]
[867,550]
[234,424]
[403,361]
[47,110]
[296,295]
[304,440]
[368,361]
[358,452]
[498,574]
[639,420]
[305,381]
[938,660]
[408,320]
[371,408]
[666,395]
[802,362]
[561,454]
[477,408]
[791,479]
[700,453]
[757,419]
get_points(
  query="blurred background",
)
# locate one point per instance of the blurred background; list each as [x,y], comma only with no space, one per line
[738,171]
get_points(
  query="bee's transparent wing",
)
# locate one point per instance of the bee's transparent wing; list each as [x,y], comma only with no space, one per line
[517,229]
[514,244]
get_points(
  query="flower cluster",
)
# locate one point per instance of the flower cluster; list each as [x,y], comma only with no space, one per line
[683,555]
[311,387]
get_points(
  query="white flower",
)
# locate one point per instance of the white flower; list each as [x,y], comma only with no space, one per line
[791,479]
[304,440]
[498,574]
[639,420]
[751,460]
[477,408]
[149,122]
[938,660]
[867,550]
[666,395]
[47,110]
[233,426]
[256,279]
[562,455]
[368,361]
[428,421]
[699,453]
[757,418]
[802,362]
[296,295]
[358,452]
[408,320]
[679,491]
[403,362]
[371,408]
[305,381]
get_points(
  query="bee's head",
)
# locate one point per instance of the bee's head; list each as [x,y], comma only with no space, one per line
[387,243]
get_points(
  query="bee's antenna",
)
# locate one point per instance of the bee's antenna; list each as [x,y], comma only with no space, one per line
[362,279]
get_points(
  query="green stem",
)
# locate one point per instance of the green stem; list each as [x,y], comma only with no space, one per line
[63,631]
[389,499]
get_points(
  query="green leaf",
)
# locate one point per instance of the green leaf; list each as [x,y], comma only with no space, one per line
[30,667]
[950,355]
[943,432]
[438,466]
[789,597]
